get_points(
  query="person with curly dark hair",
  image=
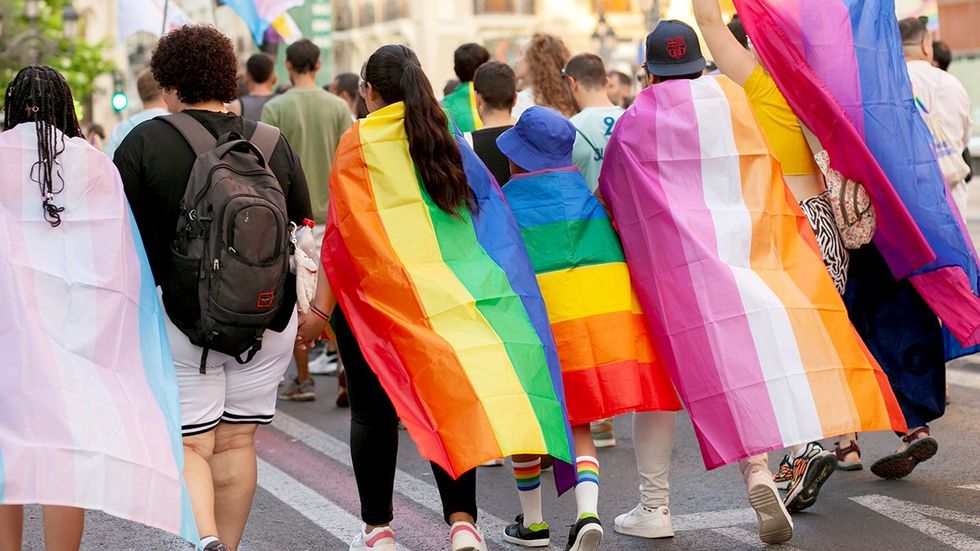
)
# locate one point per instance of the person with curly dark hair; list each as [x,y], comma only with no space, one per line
[219,408]
[539,76]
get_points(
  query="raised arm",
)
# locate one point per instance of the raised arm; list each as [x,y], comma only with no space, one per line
[732,59]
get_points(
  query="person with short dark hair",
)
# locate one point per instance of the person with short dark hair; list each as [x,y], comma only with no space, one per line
[495,87]
[586,77]
[619,88]
[153,106]
[313,120]
[460,105]
[345,86]
[260,81]
[942,56]
[220,405]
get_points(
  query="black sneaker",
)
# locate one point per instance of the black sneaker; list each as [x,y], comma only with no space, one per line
[586,535]
[810,471]
[538,535]
[217,546]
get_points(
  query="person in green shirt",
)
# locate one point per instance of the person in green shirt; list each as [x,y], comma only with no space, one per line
[460,105]
[312,121]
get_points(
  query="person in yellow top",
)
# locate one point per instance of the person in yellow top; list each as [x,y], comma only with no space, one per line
[806,468]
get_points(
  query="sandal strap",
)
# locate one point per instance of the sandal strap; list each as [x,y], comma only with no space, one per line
[914,435]
[842,453]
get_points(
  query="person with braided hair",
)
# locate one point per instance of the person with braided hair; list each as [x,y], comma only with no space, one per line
[88,393]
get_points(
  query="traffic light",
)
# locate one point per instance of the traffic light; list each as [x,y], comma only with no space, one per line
[119,100]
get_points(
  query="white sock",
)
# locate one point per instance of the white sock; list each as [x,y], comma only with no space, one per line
[208,540]
[796,451]
[528,475]
[587,488]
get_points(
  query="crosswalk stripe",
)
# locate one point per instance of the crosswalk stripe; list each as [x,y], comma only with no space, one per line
[413,488]
[963,377]
[321,511]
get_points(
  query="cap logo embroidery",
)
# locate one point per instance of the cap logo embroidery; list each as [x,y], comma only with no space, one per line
[676,47]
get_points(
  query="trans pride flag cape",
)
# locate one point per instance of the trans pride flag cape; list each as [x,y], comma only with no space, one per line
[461,108]
[840,65]
[88,395]
[609,364]
[728,271]
[446,310]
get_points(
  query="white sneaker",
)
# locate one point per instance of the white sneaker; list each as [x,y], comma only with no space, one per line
[466,537]
[325,364]
[646,523]
[380,539]
[775,524]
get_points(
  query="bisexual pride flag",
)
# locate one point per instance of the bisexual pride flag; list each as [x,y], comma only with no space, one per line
[840,65]
[729,274]
[88,396]
[445,308]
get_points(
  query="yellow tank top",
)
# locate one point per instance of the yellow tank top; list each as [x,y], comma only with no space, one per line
[780,125]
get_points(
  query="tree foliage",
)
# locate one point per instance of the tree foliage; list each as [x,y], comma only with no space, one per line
[81,63]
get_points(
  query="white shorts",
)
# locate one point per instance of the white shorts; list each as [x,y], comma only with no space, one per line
[229,392]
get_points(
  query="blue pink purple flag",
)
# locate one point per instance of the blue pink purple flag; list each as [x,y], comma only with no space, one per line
[840,65]
[88,396]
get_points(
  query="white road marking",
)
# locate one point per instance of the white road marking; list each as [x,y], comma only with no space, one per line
[969,378]
[714,519]
[413,488]
[914,515]
[970,487]
[321,511]
[750,538]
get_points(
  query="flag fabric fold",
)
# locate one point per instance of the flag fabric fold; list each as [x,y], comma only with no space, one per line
[841,67]
[88,395]
[609,364]
[148,16]
[460,106]
[727,269]
[446,310]
[260,15]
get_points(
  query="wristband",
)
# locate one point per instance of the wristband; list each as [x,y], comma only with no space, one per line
[319,313]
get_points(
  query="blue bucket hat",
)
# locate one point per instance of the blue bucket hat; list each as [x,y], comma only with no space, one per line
[542,139]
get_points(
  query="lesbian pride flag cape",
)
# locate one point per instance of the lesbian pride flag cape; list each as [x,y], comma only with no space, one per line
[840,65]
[609,364]
[88,395]
[461,108]
[728,271]
[446,310]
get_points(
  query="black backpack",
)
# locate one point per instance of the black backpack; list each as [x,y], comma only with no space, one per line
[230,259]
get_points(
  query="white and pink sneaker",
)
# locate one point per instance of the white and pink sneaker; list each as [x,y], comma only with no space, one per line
[466,537]
[379,539]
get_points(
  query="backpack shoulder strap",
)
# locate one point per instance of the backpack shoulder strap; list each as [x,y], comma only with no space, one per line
[198,137]
[265,137]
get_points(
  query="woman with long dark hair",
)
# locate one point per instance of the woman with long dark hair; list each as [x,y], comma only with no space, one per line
[440,322]
[88,395]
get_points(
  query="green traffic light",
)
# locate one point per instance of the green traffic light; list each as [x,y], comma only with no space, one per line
[119,101]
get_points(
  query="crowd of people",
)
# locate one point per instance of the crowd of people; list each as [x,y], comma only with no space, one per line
[411,246]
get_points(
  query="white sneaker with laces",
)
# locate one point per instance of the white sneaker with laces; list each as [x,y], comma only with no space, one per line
[466,537]
[775,524]
[380,539]
[642,522]
[325,364]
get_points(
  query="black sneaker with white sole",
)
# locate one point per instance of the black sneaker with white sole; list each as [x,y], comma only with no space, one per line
[538,535]
[217,546]
[586,535]
[810,471]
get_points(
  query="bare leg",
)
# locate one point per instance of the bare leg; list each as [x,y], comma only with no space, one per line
[198,450]
[233,469]
[302,358]
[11,527]
[63,528]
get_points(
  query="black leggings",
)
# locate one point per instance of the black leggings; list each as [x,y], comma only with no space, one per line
[374,441]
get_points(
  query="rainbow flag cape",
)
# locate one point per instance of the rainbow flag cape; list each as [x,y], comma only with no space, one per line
[728,271]
[460,107]
[446,310]
[609,364]
[88,396]
[840,65]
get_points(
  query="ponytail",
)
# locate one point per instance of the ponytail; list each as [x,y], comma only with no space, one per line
[394,71]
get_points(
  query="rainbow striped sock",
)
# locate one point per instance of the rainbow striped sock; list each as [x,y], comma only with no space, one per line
[528,476]
[587,489]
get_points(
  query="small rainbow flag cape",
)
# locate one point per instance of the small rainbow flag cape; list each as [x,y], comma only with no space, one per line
[728,271]
[609,364]
[446,310]
[88,396]
[460,107]
[840,65]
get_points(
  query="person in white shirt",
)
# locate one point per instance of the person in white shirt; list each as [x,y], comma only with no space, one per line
[153,106]
[586,78]
[942,97]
